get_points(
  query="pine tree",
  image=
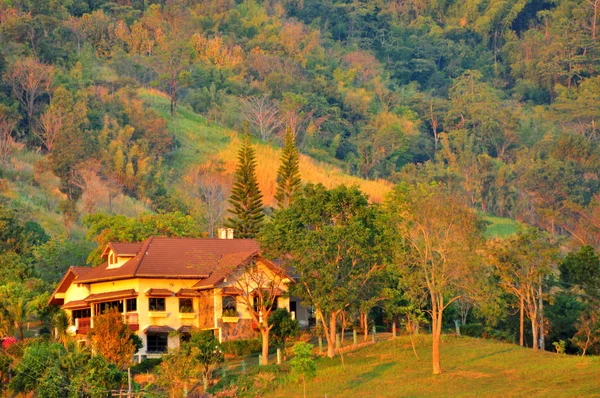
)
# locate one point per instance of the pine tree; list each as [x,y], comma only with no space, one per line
[246,198]
[288,174]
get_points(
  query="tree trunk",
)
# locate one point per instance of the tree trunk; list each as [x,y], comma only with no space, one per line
[365,324]
[534,331]
[541,305]
[331,339]
[265,346]
[521,322]
[436,331]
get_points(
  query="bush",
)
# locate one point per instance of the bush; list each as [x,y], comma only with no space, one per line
[146,365]
[472,330]
[242,347]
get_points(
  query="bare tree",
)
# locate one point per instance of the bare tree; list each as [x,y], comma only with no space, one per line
[7,142]
[262,113]
[29,79]
[261,283]
[213,190]
[57,117]
[90,182]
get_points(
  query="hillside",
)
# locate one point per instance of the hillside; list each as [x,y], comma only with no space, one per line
[472,368]
[200,141]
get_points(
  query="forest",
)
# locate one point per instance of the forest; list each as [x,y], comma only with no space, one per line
[122,119]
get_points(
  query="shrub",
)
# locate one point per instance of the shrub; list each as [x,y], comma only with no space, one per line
[472,330]
[146,366]
[242,347]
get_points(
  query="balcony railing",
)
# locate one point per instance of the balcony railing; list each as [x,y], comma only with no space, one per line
[131,320]
[83,325]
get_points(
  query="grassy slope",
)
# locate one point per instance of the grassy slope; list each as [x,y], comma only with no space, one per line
[500,227]
[472,368]
[199,141]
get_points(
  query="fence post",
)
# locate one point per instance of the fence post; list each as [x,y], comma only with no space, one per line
[354,336]
[259,359]
[394,330]
[320,344]
[243,366]
[374,334]
[337,341]
[279,356]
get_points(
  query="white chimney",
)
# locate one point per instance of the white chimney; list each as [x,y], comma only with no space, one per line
[229,233]
[222,233]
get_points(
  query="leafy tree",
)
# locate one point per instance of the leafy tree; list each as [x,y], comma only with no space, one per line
[582,269]
[284,327]
[437,256]
[30,80]
[177,368]
[246,198]
[112,339]
[261,287]
[288,174]
[207,351]
[303,365]
[335,240]
[522,263]
[38,357]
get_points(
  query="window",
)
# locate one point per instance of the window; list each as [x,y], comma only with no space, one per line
[185,337]
[157,342]
[157,304]
[131,305]
[229,303]
[186,305]
[103,307]
[85,313]
[292,306]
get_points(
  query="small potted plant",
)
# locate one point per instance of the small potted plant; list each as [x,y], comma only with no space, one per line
[230,315]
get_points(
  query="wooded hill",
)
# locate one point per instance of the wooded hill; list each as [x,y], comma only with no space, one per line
[122,119]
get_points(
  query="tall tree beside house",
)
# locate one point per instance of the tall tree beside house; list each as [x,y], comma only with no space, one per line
[261,287]
[246,198]
[336,241]
[288,174]
[112,339]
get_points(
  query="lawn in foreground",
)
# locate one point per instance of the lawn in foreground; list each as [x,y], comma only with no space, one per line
[472,367]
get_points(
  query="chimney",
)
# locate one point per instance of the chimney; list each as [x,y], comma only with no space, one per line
[229,233]
[222,233]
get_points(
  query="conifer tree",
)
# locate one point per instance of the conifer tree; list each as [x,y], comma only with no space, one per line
[246,198]
[288,174]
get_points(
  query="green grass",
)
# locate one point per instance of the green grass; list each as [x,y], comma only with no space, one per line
[197,139]
[471,368]
[499,227]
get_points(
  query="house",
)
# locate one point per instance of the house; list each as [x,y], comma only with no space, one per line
[162,285]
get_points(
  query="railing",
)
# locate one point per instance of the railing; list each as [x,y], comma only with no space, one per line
[131,320]
[83,325]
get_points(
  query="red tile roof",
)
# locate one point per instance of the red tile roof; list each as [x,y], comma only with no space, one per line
[159,293]
[123,249]
[73,305]
[158,329]
[119,294]
[179,258]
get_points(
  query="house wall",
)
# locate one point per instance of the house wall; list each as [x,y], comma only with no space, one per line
[208,308]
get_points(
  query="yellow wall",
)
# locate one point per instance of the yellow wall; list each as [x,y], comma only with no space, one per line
[171,317]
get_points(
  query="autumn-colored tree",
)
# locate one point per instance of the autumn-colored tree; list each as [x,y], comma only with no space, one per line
[438,256]
[30,80]
[261,287]
[57,117]
[112,338]
[7,125]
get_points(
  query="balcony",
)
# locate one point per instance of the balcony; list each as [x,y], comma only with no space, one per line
[131,320]
[83,325]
